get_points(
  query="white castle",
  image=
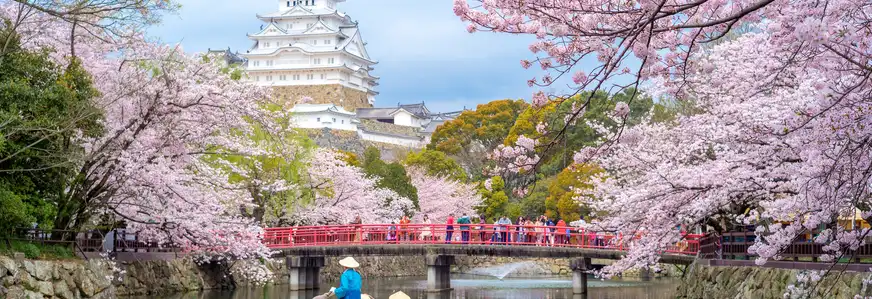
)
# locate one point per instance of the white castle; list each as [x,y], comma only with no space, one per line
[309,44]
[309,49]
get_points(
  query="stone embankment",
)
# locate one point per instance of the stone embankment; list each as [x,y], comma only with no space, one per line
[717,282]
[55,279]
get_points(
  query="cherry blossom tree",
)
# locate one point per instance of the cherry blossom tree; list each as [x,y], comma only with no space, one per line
[164,112]
[781,128]
[343,192]
[439,196]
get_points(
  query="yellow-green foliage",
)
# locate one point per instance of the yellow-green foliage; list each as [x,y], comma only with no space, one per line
[488,125]
[496,202]
[561,200]
[287,162]
[436,163]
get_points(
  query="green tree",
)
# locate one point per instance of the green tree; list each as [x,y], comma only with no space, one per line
[436,163]
[44,108]
[533,204]
[561,140]
[285,162]
[495,201]
[561,202]
[475,133]
[392,176]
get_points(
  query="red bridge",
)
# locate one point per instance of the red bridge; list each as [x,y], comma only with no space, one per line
[443,234]
[306,246]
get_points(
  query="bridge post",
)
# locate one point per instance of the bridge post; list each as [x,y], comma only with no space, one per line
[304,272]
[439,272]
[579,275]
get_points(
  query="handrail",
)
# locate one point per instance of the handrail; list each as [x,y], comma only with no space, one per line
[476,234]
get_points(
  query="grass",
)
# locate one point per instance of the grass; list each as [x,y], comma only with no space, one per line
[37,250]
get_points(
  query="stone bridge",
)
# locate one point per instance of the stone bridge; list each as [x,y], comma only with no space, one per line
[305,248]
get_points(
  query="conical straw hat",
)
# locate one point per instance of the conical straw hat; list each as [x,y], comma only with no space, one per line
[349,262]
[399,295]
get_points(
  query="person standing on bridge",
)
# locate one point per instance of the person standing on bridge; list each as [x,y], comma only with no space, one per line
[358,228]
[504,229]
[550,223]
[350,281]
[404,228]
[562,235]
[449,228]
[464,227]
[519,230]
[426,231]
[481,228]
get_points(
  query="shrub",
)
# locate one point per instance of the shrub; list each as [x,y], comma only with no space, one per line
[30,251]
[13,212]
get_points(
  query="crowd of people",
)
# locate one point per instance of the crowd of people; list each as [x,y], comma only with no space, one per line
[538,231]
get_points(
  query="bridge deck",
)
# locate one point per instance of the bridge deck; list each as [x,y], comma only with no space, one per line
[470,250]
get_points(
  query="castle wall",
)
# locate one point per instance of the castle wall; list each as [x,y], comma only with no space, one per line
[342,96]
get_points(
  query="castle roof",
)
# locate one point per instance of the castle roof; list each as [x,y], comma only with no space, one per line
[302,11]
[314,108]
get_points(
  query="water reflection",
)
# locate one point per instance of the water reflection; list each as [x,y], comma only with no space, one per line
[465,287]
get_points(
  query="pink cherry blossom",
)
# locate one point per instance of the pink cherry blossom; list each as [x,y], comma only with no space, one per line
[344,192]
[780,123]
[622,109]
[163,112]
[440,196]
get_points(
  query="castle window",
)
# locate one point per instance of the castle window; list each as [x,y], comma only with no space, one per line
[334,119]
[319,119]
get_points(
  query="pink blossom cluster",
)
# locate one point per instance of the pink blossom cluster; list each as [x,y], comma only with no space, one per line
[770,137]
[344,192]
[440,196]
[781,94]
[521,157]
[164,111]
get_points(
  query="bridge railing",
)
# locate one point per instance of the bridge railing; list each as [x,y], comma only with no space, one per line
[479,234]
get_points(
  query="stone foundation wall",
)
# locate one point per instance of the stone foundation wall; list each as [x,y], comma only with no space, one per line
[167,277]
[55,279]
[351,142]
[342,96]
[531,267]
[377,266]
[717,282]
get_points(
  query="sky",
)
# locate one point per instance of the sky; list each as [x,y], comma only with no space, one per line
[423,50]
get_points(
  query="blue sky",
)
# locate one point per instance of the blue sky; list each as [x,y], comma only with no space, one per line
[423,49]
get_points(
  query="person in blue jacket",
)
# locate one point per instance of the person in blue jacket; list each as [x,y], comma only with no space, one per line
[349,283]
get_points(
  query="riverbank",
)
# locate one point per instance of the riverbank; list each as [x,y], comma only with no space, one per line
[766,283]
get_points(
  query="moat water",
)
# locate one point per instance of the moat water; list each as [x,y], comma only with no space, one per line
[467,287]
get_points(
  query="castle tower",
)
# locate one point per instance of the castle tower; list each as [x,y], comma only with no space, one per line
[309,48]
